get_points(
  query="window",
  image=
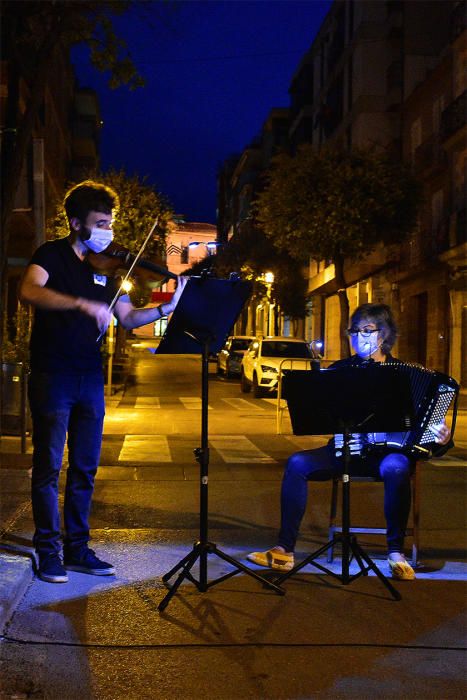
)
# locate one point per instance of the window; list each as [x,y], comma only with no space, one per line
[437,204]
[415,136]
[438,106]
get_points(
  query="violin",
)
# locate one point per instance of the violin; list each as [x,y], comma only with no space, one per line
[116,258]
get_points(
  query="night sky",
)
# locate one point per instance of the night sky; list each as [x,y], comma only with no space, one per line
[213,71]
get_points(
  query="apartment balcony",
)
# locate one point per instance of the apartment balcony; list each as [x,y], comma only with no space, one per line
[457,228]
[430,157]
[453,121]
[394,76]
[457,21]
[324,282]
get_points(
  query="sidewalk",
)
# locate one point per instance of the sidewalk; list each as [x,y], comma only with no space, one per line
[346,641]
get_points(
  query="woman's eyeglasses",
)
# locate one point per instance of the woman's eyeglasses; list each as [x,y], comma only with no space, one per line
[364,332]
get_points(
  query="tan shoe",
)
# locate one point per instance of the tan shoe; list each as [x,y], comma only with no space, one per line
[401,570]
[273,559]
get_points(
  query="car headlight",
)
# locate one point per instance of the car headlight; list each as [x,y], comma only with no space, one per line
[265,368]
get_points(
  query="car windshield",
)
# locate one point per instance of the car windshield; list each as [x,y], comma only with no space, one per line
[283,348]
[240,343]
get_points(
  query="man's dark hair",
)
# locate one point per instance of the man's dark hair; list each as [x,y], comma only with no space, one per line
[381,316]
[89,196]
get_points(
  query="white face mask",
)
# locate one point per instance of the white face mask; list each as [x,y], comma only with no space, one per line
[99,239]
[365,347]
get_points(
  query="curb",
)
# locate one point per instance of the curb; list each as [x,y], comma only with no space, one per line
[16,573]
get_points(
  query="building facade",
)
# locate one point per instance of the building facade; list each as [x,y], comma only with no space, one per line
[391,75]
[63,146]
[187,244]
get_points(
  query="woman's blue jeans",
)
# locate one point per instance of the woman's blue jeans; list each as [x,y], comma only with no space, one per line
[61,404]
[321,465]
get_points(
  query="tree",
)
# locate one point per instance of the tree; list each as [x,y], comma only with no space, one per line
[33,31]
[140,206]
[337,206]
[251,252]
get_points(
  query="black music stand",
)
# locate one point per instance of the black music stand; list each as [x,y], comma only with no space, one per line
[203,317]
[359,399]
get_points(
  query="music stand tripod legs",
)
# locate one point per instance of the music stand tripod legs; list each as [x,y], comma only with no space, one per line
[348,541]
[203,547]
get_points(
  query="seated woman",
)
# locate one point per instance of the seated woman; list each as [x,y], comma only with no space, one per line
[373,333]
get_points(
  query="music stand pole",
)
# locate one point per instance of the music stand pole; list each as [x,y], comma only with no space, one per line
[203,547]
[348,542]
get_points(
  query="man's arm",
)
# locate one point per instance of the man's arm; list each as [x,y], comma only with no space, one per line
[130,317]
[33,291]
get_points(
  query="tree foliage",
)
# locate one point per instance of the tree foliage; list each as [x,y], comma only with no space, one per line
[33,33]
[336,206]
[252,253]
[140,206]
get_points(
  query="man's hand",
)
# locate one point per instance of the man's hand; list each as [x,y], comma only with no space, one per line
[170,305]
[97,310]
[130,317]
[33,291]
[441,432]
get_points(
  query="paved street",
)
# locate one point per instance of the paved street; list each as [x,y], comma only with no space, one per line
[105,638]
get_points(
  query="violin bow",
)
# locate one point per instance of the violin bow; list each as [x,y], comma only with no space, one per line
[130,270]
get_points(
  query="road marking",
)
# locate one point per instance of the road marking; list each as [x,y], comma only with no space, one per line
[145,448]
[239,449]
[273,402]
[241,404]
[448,461]
[192,402]
[147,402]
[306,442]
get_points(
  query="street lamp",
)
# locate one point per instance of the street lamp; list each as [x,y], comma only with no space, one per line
[268,278]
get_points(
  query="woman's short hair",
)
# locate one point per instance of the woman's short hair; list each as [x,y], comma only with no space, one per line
[381,315]
[89,196]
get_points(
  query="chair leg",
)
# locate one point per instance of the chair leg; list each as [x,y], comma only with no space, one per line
[415,514]
[332,518]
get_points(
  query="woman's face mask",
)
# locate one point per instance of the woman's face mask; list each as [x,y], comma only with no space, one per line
[99,239]
[365,347]
[366,338]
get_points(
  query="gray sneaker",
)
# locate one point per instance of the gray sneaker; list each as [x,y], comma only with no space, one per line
[51,569]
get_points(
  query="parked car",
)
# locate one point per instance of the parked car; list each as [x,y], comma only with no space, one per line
[261,362]
[230,357]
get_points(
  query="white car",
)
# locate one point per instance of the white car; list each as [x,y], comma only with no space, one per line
[262,361]
[230,357]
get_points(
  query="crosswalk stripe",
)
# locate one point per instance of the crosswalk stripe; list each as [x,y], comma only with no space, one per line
[145,448]
[273,402]
[305,442]
[192,402]
[239,449]
[147,402]
[241,404]
[448,461]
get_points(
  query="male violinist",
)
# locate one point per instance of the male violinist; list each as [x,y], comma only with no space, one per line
[66,388]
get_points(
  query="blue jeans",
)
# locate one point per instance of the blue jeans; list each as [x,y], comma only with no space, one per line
[321,465]
[62,403]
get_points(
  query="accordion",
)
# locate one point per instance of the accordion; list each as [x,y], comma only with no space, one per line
[432,394]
